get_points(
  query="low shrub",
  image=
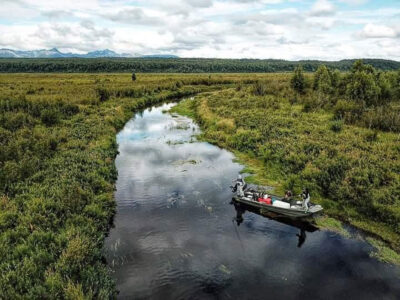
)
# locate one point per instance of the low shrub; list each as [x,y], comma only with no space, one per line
[103,94]
[50,116]
[382,118]
[259,89]
[348,111]
[336,125]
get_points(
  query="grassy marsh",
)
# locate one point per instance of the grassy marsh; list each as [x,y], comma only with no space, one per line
[58,147]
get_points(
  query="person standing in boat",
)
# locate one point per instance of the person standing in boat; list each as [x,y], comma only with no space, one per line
[305,195]
[240,186]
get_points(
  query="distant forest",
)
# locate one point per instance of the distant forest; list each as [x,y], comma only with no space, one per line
[176,65]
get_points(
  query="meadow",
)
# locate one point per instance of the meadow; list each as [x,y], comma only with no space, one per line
[58,145]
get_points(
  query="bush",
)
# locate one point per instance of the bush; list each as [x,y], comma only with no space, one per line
[103,94]
[68,109]
[371,136]
[348,111]
[386,90]
[311,103]
[50,117]
[298,81]
[382,118]
[336,125]
[259,89]
[14,121]
[324,80]
[362,85]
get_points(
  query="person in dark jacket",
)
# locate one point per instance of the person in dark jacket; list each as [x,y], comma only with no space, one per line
[305,195]
[239,186]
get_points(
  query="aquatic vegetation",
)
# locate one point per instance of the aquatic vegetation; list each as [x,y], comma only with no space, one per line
[184,162]
[181,126]
[174,142]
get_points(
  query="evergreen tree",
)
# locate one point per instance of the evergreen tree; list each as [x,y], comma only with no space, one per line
[362,84]
[323,80]
[298,81]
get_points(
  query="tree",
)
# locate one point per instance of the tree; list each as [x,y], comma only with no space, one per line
[317,76]
[362,85]
[397,85]
[298,82]
[133,77]
[323,80]
[359,66]
[386,91]
[336,79]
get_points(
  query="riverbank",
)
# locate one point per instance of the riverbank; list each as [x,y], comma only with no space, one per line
[284,147]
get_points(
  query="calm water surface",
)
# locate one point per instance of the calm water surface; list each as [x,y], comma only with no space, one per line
[177,236]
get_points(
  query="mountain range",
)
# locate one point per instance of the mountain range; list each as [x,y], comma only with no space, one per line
[55,53]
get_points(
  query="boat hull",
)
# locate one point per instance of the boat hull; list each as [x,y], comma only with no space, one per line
[289,212]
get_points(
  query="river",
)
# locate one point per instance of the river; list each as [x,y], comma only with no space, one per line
[177,236]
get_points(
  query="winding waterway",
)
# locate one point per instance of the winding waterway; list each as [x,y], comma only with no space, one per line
[176,235]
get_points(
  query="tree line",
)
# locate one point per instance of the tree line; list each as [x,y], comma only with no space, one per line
[177,65]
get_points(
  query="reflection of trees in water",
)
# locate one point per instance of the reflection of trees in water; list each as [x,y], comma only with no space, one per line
[303,226]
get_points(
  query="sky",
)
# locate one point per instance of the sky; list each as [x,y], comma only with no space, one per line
[279,29]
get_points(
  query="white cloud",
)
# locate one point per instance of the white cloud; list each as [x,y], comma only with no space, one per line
[354,2]
[378,31]
[288,29]
[322,8]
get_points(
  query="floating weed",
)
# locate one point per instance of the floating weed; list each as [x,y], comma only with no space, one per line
[172,143]
[224,269]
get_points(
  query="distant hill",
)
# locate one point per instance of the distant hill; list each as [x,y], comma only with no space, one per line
[55,53]
[52,53]
[104,53]
[159,56]
[105,61]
